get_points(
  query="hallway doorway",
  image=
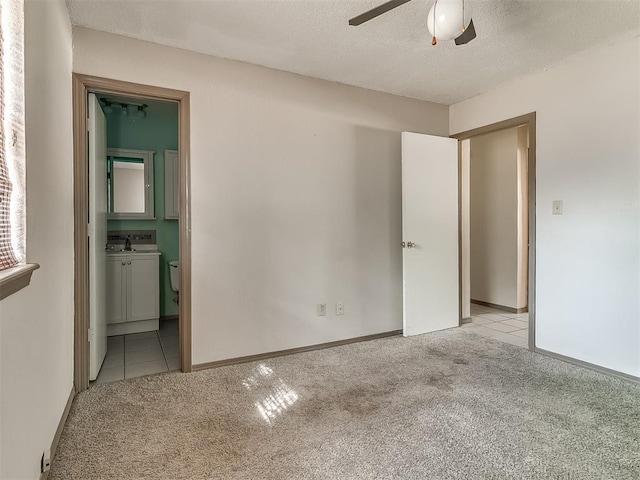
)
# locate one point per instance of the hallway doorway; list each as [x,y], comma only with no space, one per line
[497,230]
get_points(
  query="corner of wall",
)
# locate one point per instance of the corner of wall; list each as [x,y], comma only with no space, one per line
[40,315]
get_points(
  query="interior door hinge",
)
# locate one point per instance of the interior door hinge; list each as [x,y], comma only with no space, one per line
[91,335]
[90,230]
[88,125]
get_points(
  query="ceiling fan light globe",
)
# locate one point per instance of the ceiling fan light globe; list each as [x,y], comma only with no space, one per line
[449,22]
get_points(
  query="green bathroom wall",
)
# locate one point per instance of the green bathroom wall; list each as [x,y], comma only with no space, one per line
[158,131]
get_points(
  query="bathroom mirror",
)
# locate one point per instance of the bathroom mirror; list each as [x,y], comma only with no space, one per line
[130,184]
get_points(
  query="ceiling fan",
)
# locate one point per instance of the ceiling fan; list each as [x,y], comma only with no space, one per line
[447,20]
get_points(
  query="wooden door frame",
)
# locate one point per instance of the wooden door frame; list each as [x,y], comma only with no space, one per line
[82,85]
[530,121]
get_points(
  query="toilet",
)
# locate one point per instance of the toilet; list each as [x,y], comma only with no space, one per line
[174,275]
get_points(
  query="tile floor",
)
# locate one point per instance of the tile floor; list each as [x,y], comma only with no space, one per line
[138,354]
[507,327]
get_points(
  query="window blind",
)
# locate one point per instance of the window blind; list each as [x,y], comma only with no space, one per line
[12,157]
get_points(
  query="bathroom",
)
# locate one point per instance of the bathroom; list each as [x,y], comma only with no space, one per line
[141,300]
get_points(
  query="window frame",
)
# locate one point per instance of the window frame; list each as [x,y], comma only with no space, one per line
[15,277]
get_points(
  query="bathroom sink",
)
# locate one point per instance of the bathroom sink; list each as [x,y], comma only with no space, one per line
[142,248]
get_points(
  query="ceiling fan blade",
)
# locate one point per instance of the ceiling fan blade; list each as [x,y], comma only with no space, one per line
[374,12]
[468,35]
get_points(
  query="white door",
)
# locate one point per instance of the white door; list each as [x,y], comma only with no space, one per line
[97,124]
[429,233]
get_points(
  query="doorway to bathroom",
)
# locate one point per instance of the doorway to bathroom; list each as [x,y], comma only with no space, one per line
[132,278]
[141,263]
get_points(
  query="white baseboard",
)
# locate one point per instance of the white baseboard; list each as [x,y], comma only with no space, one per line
[58,434]
[590,366]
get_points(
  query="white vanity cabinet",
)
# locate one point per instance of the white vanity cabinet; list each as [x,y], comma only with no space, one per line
[133,297]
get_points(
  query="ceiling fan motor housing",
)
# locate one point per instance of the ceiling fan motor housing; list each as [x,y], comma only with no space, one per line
[448,19]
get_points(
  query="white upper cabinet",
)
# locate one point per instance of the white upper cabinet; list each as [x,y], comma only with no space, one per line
[171,185]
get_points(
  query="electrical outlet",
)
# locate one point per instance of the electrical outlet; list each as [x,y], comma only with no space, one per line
[45,461]
[340,308]
[322,309]
[557,207]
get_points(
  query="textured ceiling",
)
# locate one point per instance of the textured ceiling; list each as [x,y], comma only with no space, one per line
[392,53]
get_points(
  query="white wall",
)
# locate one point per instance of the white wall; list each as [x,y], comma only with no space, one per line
[588,154]
[494,218]
[295,196]
[36,327]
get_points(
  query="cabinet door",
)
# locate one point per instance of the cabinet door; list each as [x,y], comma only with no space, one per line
[171,185]
[116,297]
[143,302]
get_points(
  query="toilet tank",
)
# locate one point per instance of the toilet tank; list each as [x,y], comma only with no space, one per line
[174,275]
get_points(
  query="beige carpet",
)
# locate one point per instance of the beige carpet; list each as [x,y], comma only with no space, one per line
[450,405]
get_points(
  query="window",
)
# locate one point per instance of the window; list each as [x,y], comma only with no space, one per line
[14,273]
[12,171]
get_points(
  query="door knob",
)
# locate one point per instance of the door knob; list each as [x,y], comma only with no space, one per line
[411,245]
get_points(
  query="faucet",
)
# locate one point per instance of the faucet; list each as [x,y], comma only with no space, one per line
[127,243]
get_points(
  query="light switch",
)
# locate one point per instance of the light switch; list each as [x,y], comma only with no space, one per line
[557,207]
